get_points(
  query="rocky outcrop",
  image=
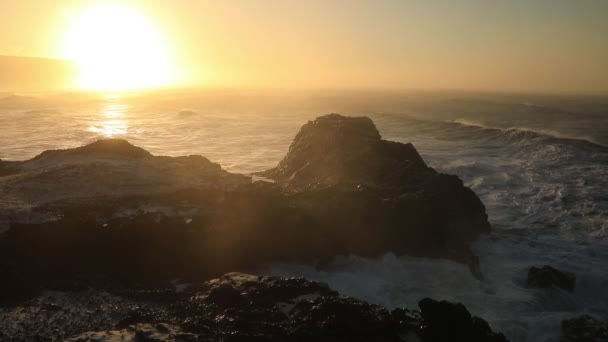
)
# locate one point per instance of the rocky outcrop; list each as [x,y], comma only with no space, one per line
[383,191]
[335,149]
[340,190]
[104,170]
[584,329]
[549,277]
[445,321]
[242,307]
[108,147]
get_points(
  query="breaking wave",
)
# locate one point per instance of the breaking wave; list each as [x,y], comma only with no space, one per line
[529,135]
[544,187]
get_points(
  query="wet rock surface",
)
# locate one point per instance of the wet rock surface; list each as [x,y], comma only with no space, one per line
[238,307]
[584,329]
[549,277]
[55,315]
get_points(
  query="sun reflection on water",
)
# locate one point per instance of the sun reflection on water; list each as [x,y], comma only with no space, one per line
[114,110]
[113,122]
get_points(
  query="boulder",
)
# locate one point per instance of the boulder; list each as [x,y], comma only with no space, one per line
[584,329]
[548,277]
[445,321]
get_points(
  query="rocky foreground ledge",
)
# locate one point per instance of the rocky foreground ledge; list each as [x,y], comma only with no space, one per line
[236,307]
[110,216]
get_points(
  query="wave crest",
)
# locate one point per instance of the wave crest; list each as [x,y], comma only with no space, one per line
[515,135]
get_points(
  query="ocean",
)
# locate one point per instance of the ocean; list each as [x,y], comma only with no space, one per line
[538,163]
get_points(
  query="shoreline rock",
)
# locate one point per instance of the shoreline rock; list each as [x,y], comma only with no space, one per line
[111,215]
[334,154]
[549,277]
[243,307]
[584,329]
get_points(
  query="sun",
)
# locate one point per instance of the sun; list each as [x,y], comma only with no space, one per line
[116,47]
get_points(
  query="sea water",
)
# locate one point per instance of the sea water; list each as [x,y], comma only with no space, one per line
[538,163]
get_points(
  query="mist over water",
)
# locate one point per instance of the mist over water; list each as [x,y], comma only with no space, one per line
[540,166]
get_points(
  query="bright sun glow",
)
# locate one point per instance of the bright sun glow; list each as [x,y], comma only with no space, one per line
[117,48]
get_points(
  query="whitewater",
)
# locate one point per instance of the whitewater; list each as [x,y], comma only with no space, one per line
[539,164]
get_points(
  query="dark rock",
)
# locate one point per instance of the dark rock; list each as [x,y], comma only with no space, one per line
[335,149]
[291,309]
[378,191]
[341,319]
[340,190]
[445,321]
[6,168]
[80,312]
[51,307]
[547,277]
[475,267]
[584,329]
[107,147]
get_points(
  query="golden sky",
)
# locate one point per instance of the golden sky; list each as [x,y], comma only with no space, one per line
[511,45]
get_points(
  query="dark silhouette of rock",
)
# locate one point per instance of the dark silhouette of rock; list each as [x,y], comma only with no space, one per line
[445,321]
[106,147]
[584,329]
[242,307]
[340,190]
[5,168]
[547,277]
[335,149]
[379,190]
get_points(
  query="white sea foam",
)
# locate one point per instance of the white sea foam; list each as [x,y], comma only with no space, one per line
[522,129]
[545,192]
[502,298]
